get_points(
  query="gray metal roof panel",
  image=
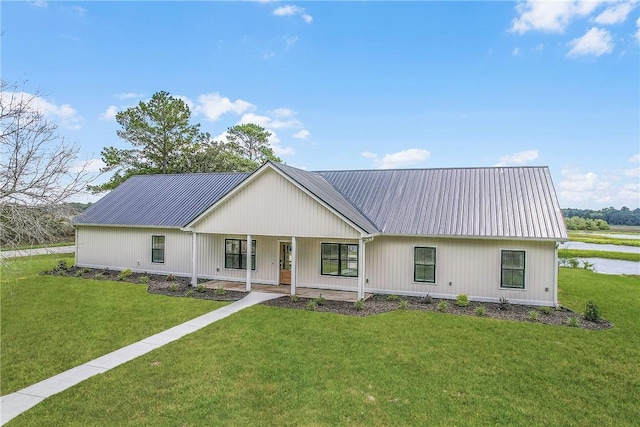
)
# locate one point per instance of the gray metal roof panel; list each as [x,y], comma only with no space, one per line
[508,202]
[160,200]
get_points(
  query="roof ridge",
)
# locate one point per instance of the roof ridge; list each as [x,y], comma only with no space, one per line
[431,169]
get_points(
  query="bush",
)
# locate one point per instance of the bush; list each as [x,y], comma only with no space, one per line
[572,321]
[144,279]
[462,300]
[320,300]
[592,312]
[426,299]
[393,298]
[201,288]
[545,309]
[189,293]
[124,274]
[311,305]
[503,303]
[173,287]
[359,305]
[480,310]
[294,298]
[98,276]
[170,278]
[442,306]
[403,304]
[534,315]
[219,291]
[79,273]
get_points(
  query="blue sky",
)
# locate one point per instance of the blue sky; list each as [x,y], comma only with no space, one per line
[357,85]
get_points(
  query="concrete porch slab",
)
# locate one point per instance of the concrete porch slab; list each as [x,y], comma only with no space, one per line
[328,294]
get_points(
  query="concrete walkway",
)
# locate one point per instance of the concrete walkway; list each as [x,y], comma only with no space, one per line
[39,251]
[16,403]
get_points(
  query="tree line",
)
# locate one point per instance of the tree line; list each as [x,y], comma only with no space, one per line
[610,215]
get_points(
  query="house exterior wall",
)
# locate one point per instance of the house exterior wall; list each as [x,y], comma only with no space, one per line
[119,248]
[472,266]
[273,206]
[309,267]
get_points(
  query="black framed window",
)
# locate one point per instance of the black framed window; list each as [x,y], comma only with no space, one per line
[339,259]
[512,271]
[157,249]
[424,264]
[235,254]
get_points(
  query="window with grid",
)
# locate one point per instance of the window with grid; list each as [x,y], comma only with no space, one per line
[235,254]
[512,275]
[157,249]
[339,259]
[424,264]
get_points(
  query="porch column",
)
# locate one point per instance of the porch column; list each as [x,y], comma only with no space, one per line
[194,257]
[361,268]
[248,286]
[294,264]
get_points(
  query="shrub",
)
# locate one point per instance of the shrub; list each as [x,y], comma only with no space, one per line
[98,276]
[294,298]
[587,266]
[480,310]
[442,306]
[79,273]
[503,303]
[311,305]
[572,321]
[393,298]
[173,287]
[220,291]
[144,279]
[189,293]
[592,312]
[62,265]
[320,300]
[545,309]
[86,270]
[124,274]
[201,288]
[403,304]
[426,299]
[534,315]
[359,305]
[170,278]
[462,300]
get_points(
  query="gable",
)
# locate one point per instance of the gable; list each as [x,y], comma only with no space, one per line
[271,205]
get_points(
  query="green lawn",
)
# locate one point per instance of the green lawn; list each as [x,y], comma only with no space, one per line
[50,324]
[599,239]
[273,366]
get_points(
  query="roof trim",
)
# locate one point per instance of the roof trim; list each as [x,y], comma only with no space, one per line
[261,170]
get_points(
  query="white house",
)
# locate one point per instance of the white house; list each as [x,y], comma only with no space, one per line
[485,232]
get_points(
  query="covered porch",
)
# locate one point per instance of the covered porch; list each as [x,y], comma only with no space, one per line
[328,294]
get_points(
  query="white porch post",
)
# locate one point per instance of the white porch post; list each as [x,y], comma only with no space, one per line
[294,264]
[361,268]
[248,287]
[194,257]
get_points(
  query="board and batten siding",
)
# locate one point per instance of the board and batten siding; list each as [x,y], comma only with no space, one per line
[273,206]
[463,266]
[118,248]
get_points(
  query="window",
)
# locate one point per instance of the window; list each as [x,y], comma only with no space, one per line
[157,249]
[235,254]
[424,264]
[339,259]
[512,275]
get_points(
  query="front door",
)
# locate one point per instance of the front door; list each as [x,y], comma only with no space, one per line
[285,263]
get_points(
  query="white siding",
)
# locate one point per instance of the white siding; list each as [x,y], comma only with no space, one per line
[463,266]
[272,206]
[118,248]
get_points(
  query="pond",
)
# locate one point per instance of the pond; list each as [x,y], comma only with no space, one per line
[597,247]
[613,266]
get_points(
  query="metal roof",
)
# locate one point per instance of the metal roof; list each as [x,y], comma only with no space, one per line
[160,200]
[501,202]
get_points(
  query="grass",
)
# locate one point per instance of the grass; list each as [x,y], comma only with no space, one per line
[272,366]
[51,323]
[587,253]
[600,240]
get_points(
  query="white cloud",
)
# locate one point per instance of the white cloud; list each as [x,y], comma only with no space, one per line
[65,115]
[39,3]
[401,159]
[595,42]
[521,158]
[129,95]
[89,166]
[291,10]
[615,14]
[110,113]
[278,149]
[638,32]
[212,106]
[592,190]
[269,122]
[302,134]
[635,158]
[538,48]
[78,10]
[550,16]
[633,173]
[516,51]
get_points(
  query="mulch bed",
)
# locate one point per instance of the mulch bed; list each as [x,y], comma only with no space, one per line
[375,304]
